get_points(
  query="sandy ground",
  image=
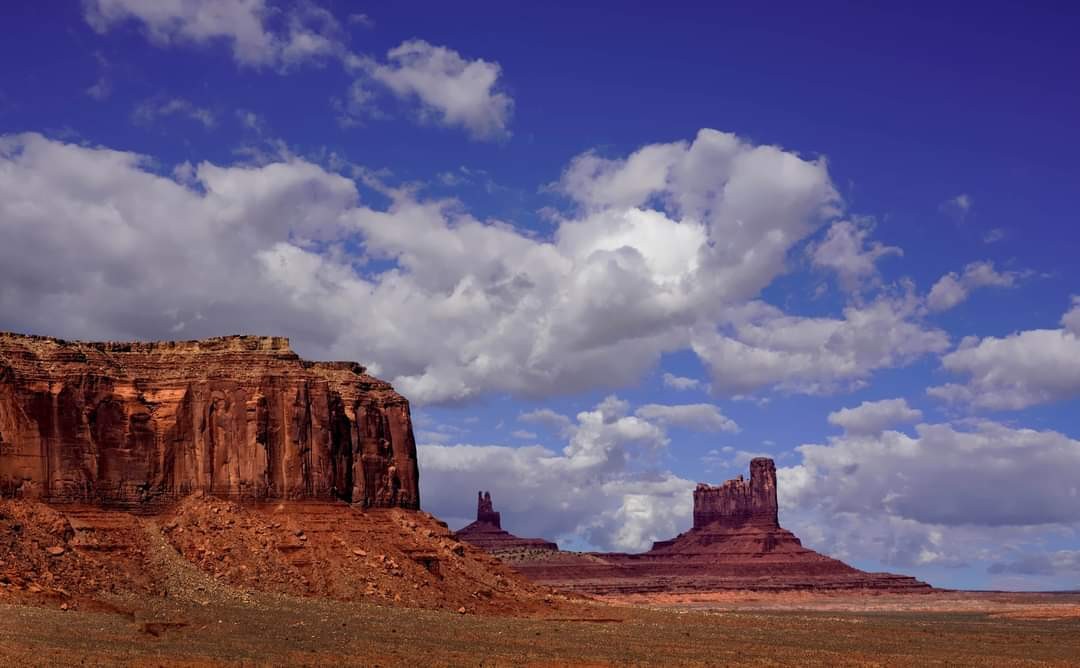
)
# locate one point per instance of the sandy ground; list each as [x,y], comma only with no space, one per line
[223,627]
[995,604]
[306,584]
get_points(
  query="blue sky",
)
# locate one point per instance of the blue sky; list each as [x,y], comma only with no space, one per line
[607,251]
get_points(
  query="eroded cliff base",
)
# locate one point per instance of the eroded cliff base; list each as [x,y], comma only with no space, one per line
[205,549]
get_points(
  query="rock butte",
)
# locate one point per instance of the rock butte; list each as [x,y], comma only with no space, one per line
[736,543]
[134,424]
[487,532]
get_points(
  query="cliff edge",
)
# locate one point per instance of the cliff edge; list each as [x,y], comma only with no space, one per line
[135,423]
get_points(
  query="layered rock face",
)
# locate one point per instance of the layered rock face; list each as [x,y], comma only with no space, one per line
[739,501]
[240,416]
[487,532]
[736,543]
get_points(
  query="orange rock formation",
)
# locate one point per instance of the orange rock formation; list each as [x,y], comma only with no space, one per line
[131,424]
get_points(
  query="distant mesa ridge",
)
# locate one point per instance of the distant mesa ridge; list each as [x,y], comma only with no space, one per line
[487,532]
[736,542]
[132,423]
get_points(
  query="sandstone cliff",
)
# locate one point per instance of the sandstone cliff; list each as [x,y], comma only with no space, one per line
[238,416]
[739,501]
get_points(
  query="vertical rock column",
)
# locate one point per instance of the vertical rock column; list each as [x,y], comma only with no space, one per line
[763,506]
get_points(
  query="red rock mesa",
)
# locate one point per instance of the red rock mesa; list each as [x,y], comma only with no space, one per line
[130,424]
[736,543]
[487,532]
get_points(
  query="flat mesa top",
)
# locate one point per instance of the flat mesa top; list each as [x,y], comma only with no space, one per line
[237,342]
[29,347]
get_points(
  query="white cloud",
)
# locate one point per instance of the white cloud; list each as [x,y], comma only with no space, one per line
[428,436]
[958,207]
[150,110]
[946,476]
[362,20]
[953,288]
[728,457]
[614,289]
[457,307]
[601,183]
[545,416]
[702,417]
[845,250]
[994,235]
[1071,320]
[257,34]
[1020,370]
[357,106]
[764,347]
[680,382]
[452,91]
[1060,562]
[945,496]
[99,246]
[873,417]
[601,487]
[525,435]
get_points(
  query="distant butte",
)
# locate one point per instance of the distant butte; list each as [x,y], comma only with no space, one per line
[736,542]
[487,532]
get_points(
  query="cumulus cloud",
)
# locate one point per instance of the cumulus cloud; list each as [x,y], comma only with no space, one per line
[728,457]
[1016,371]
[1060,562]
[548,418]
[149,111]
[934,477]
[680,382]
[701,417]
[873,417]
[452,90]
[99,245]
[257,34]
[357,106]
[945,496]
[846,251]
[602,486]
[444,305]
[1071,320]
[762,346]
[953,288]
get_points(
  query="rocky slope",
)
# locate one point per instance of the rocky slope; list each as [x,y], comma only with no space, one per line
[133,424]
[204,549]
